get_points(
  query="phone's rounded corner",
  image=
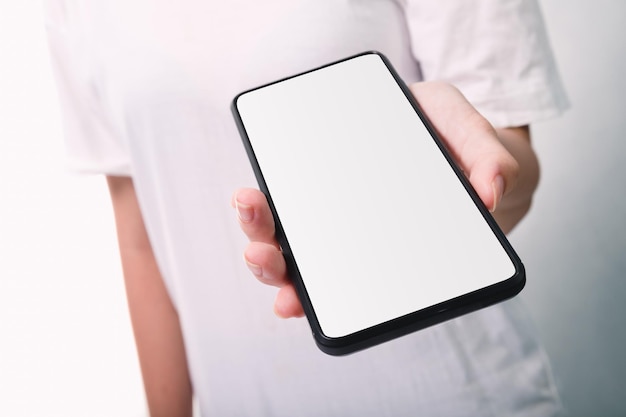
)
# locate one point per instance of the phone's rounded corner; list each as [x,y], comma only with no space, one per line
[334,346]
[374,52]
[234,103]
[505,289]
[331,345]
[378,54]
[518,280]
[330,350]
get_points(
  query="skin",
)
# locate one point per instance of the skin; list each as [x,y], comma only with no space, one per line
[500,164]
[156,327]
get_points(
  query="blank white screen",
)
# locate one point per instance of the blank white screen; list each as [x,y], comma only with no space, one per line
[378,222]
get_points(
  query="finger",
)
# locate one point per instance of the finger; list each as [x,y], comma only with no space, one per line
[470,138]
[494,176]
[255,217]
[267,263]
[287,304]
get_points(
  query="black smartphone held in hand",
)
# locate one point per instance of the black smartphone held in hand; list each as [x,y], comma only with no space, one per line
[381,231]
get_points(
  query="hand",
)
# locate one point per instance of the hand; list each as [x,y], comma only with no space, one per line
[500,165]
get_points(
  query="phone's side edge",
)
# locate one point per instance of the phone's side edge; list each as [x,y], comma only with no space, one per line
[292,269]
[519,268]
[428,317]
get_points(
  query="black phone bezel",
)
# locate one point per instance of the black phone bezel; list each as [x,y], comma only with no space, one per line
[416,320]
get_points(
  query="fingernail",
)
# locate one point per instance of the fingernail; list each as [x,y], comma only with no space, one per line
[244,211]
[255,269]
[498,190]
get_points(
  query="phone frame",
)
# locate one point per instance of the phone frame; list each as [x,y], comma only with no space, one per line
[416,320]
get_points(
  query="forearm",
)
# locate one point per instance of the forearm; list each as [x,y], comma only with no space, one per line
[155,321]
[516,203]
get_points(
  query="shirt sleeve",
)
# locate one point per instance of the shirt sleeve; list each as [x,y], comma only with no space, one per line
[92,143]
[495,51]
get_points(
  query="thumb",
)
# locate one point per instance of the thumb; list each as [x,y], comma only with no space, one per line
[471,140]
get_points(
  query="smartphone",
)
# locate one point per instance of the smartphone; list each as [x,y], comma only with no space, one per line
[381,232]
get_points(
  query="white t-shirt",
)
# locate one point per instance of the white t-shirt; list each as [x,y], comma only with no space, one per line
[146,87]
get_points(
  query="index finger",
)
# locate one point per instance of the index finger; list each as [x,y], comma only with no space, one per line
[255,216]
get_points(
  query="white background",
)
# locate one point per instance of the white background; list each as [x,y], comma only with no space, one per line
[574,241]
[66,346]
